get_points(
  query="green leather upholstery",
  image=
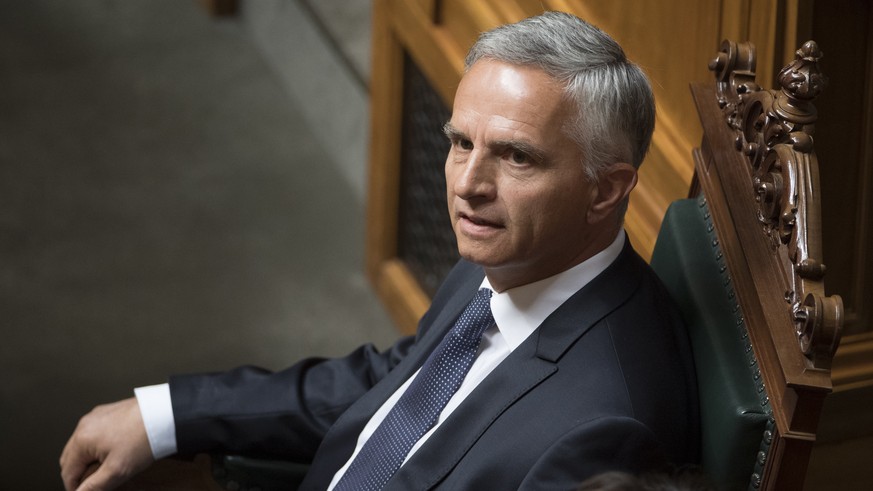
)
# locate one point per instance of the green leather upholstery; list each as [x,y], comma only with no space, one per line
[734,414]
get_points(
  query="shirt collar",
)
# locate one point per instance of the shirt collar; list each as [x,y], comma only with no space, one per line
[520,310]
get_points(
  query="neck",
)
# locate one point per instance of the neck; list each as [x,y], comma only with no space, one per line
[503,278]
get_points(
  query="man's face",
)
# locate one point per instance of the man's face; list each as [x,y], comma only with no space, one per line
[517,191]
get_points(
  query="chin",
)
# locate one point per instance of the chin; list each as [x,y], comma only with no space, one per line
[484,258]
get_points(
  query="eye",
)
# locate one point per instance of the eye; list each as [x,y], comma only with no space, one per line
[465,144]
[518,157]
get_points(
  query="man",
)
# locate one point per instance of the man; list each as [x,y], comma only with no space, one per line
[583,366]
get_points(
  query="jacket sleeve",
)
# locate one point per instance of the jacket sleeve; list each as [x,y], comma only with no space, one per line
[282,414]
[286,414]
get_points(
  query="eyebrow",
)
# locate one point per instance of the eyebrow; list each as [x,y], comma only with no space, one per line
[451,132]
[533,151]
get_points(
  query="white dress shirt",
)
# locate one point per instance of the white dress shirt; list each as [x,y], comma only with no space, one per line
[517,313]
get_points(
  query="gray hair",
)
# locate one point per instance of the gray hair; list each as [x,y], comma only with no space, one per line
[615,108]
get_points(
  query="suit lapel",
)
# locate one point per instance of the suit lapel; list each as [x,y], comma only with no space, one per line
[589,305]
[534,361]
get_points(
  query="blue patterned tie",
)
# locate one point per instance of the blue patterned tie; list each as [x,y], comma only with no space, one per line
[418,409]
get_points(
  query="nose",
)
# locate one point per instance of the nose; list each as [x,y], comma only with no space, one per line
[474,178]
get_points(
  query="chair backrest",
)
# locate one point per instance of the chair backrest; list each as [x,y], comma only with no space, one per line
[743,260]
[734,416]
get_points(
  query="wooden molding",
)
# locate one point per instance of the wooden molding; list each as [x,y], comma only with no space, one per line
[386,94]
[402,295]
[435,50]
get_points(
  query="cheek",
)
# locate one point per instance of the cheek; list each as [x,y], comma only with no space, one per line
[528,212]
[561,215]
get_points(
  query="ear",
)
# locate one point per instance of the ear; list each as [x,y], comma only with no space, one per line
[611,190]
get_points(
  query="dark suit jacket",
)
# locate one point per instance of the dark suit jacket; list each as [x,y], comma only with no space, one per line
[605,383]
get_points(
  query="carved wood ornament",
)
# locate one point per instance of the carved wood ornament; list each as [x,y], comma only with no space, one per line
[774,131]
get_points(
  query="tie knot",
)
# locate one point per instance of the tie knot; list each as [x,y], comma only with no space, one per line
[483,297]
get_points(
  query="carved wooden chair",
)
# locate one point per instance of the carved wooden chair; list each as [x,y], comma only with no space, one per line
[742,257]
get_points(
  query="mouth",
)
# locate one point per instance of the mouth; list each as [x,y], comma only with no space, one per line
[476,225]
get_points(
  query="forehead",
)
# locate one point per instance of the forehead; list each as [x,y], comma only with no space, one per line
[499,96]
